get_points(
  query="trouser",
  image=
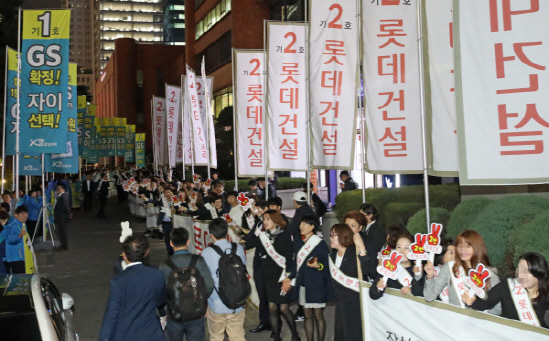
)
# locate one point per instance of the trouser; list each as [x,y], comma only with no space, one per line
[261,293]
[167,227]
[232,324]
[102,203]
[348,324]
[120,193]
[88,197]
[61,227]
[31,227]
[17,267]
[194,330]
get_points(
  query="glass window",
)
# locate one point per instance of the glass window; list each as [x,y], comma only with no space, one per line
[228,3]
[179,25]
[179,7]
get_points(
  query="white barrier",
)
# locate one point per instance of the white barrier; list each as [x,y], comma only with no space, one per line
[406,317]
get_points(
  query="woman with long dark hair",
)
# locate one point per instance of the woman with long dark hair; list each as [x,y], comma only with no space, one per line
[522,298]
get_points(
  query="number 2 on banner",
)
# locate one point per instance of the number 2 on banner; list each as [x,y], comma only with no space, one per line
[173,97]
[333,23]
[159,106]
[257,64]
[46,23]
[288,48]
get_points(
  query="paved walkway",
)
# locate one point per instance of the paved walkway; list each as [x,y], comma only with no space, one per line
[84,271]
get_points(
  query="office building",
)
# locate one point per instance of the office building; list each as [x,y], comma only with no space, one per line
[174,22]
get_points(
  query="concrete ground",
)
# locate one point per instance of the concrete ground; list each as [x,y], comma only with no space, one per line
[85,269]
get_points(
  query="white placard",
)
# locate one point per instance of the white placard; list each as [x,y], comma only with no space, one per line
[159,107]
[173,96]
[186,125]
[209,123]
[199,135]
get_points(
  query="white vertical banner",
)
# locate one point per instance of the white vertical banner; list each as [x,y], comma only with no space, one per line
[502,101]
[173,96]
[209,115]
[333,69]
[186,126]
[179,145]
[249,104]
[391,87]
[287,96]
[198,133]
[159,107]
[443,131]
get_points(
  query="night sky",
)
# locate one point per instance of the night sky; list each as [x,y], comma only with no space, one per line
[37,4]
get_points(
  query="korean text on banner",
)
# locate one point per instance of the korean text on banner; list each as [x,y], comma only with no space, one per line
[44,81]
[209,123]
[173,96]
[67,162]
[120,133]
[415,321]
[179,144]
[391,87]
[186,124]
[249,108]
[443,128]
[286,96]
[159,106]
[333,65]
[140,150]
[130,143]
[502,102]
[11,102]
[199,135]
[30,165]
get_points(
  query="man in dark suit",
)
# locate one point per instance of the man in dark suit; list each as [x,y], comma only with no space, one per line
[61,215]
[88,188]
[135,295]
[103,189]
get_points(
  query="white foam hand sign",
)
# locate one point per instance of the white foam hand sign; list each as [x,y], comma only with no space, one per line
[126,231]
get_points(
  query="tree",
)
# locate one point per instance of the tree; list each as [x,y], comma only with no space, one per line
[224,136]
[84,90]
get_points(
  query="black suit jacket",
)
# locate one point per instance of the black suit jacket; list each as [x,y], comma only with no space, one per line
[104,189]
[62,207]
[85,189]
[349,268]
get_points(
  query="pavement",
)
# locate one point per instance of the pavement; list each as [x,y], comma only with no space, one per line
[85,269]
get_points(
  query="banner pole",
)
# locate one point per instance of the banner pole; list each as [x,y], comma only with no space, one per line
[308,114]
[44,215]
[5,115]
[361,99]
[422,109]
[17,152]
[235,142]
[152,131]
[265,135]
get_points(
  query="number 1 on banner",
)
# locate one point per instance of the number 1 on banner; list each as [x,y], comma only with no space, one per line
[46,23]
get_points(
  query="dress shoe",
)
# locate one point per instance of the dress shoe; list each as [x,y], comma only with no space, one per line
[260,327]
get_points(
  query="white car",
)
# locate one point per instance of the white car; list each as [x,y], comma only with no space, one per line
[31,308]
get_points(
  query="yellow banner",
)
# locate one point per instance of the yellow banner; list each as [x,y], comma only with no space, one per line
[73,69]
[92,109]
[140,137]
[119,121]
[12,60]
[46,24]
[30,266]
[130,128]
[81,99]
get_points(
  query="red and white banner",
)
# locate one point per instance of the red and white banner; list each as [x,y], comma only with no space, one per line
[199,135]
[333,69]
[249,104]
[186,126]
[209,114]
[391,87]
[159,107]
[443,97]
[502,83]
[287,96]
[173,96]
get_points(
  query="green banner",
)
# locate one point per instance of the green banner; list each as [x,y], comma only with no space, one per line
[140,150]
[130,143]
[120,147]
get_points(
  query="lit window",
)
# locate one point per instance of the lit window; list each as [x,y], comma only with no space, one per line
[179,25]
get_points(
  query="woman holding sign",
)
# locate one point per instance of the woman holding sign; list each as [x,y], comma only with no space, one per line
[313,281]
[471,251]
[523,298]
[344,271]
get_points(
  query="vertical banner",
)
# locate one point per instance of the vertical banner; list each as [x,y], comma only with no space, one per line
[87,127]
[286,96]
[443,129]
[502,102]
[333,69]
[391,87]
[30,165]
[159,107]
[111,140]
[44,81]
[140,150]
[198,135]
[11,102]
[249,104]
[209,123]
[120,140]
[130,143]
[173,97]
[186,124]
[68,161]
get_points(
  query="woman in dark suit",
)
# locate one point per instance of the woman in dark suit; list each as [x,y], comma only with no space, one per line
[348,324]
[373,232]
[313,286]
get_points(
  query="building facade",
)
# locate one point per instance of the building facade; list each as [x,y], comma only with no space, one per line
[174,22]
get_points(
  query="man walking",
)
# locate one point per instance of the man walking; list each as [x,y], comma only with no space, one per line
[61,215]
[88,188]
[103,194]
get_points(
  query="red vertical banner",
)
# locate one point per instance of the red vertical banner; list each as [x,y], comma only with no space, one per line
[286,96]
[391,87]
[333,65]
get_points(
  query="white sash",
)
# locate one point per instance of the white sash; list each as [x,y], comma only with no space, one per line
[444,295]
[404,277]
[338,276]
[306,249]
[251,221]
[458,282]
[166,207]
[523,304]
[212,210]
[279,259]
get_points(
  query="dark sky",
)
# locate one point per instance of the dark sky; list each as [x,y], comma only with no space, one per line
[38,4]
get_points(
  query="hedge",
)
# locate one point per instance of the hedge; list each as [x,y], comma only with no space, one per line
[532,237]
[282,183]
[398,213]
[418,222]
[499,219]
[464,214]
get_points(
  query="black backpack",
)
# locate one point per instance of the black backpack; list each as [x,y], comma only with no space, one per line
[187,298]
[234,287]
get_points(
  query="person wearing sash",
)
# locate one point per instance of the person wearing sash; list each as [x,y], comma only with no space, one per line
[471,251]
[447,254]
[313,283]
[406,281]
[358,222]
[344,260]
[523,298]
[165,215]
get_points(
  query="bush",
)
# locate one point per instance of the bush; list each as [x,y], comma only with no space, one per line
[532,237]
[499,219]
[399,213]
[464,214]
[282,183]
[418,222]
